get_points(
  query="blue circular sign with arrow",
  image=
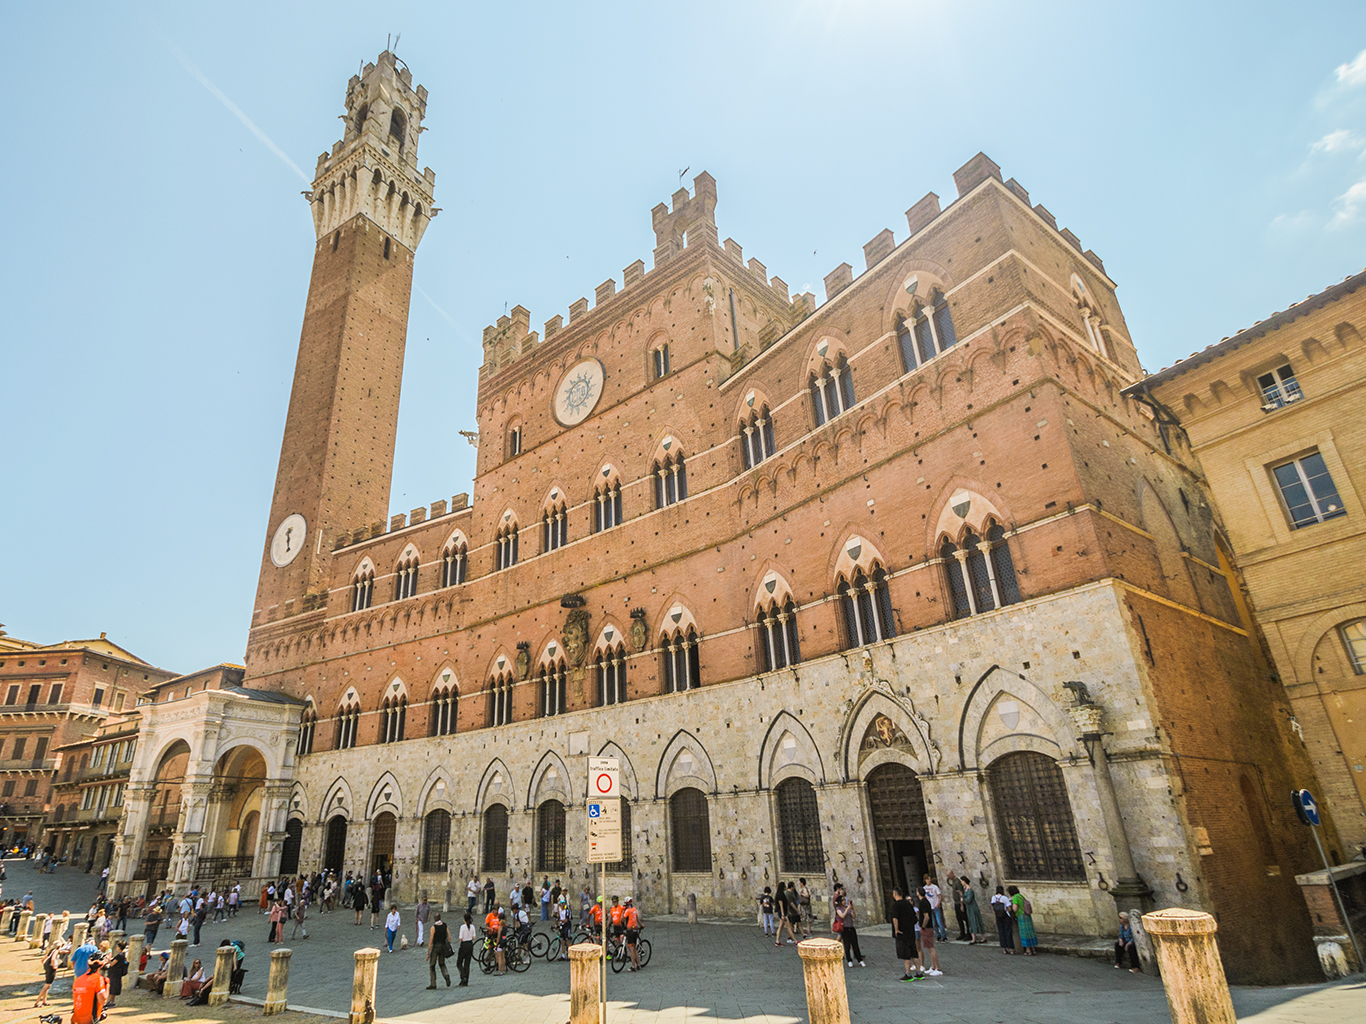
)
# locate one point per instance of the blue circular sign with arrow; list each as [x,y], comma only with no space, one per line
[1306,807]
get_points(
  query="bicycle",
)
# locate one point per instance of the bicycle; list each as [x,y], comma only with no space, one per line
[621,956]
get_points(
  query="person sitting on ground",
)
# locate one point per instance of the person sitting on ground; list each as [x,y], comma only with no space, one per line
[1126,951]
[156,981]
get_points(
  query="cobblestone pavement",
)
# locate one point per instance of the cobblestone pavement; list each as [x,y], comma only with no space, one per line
[719,972]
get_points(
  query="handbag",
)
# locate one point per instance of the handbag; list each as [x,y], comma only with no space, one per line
[837,925]
[447,951]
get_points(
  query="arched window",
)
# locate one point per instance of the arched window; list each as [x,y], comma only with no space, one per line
[554,527]
[514,440]
[405,578]
[393,718]
[832,390]
[359,122]
[500,700]
[348,724]
[671,480]
[799,827]
[932,327]
[980,573]
[496,839]
[659,361]
[362,589]
[445,702]
[680,661]
[867,607]
[607,506]
[552,685]
[756,437]
[943,322]
[1034,818]
[398,126]
[690,828]
[609,666]
[623,866]
[308,724]
[436,840]
[507,545]
[453,563]
[1354,639]
[777,640]
[905,343]
[550,842]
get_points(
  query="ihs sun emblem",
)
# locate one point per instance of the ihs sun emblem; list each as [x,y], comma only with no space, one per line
[578,393]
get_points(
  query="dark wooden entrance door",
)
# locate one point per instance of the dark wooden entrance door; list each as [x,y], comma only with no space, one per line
[335,852]
[901,833]
[382,852]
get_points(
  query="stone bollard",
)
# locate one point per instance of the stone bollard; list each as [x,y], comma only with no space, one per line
[1147,956]
[135,958]
[363,986]
[222,974]
[5,916]
[585,983]
[277,989]
[692,908]
[115,937]
[37,935]
[827,1001]
[78,933]
[175,968]
[1192,974]
[22,934]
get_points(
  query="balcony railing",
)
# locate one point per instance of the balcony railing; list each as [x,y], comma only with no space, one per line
[36,706]
[223,867]
[164,817]
[151,869]
[28,764]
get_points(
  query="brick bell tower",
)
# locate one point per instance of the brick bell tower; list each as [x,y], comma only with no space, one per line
[370,209]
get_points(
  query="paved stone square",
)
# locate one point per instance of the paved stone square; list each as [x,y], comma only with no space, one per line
[722,972]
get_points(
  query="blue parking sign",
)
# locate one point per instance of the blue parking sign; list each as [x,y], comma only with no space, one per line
[595,810]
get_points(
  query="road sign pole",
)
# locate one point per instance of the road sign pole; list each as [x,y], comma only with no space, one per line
[603,988]
[1342,909]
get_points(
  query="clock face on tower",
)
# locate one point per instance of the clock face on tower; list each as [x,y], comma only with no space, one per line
[578,392]
[288,540]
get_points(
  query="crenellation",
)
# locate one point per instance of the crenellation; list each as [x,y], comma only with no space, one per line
[604,292]
[1072,239]
[1019,190]
[758,270]
[1094,260]
[553,325]
[633,274]
[974,172]
[881,246]
[397,521]
[417,515]
[922,213]
[733,251]
[837,280]
[1046,216]
[438,509]
[779,287]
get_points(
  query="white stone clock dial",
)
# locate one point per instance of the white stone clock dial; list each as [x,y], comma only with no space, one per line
[288,540]
[578,392]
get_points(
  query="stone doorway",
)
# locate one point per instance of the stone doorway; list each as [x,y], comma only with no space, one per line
[382,849]
[901,833]
[334,853]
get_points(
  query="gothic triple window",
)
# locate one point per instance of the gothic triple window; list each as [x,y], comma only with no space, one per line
[307,726]
[506,538]
[867,607]
[552,686]
[756,437]
[671,480]
[453,563]
[610,668]
[832,390]
[405,581]
[500,700]
[777,639]
[607,507]
[348,724]
[980,573]
[393,718]
[554,527]
[362,589]
[443,708]
[680,661]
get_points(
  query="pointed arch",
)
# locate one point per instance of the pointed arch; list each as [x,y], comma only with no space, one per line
[676,772]
[559,787]
[434,796]
[298,801]
[385,795]
[777,761]
[339,801]
[922,753]
[855,554]
[1057,730]
[496,786]
[630,786]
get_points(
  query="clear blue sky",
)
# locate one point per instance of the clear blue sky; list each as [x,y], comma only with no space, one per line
[158,251]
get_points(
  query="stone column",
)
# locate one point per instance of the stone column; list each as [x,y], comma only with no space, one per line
[135,958]
[222,974]
[827,1001]
[363,986]
[270,838]
[585,983]
[1129,888]
[137,805]
[37,936]
[277,989]
[5,916]
[1192,974]
[22,934]
[77,933]
[175,968]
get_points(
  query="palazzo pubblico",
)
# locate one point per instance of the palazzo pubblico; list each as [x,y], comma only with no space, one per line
[903,583]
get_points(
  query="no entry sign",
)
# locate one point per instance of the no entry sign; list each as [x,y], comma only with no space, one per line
[603,773]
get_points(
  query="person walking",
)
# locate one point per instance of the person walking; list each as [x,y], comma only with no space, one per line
[955,885]
[929,955]
[1126,951]
[936,898]
[766,912]
[1000,907]
[116,967]
[51,959]
[437,952]
[358,900]
[794,912]
[490,895]
[845,923]
[804,902]
[392,923]
[1023,912]
[300,914]
[903,932]
[376,901]
[104,881]
[585,905]
[468,933]
[545,900]
[973,913]
[201,914]
[422,914]
[472,894]
[151,924]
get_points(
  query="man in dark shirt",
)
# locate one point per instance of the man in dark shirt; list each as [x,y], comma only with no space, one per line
[927,923]
[903,930]
[151,923]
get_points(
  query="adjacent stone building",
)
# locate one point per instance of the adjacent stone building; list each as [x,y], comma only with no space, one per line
[1275,415]
[895,585]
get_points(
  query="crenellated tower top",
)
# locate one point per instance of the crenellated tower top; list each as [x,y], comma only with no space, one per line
[372,169]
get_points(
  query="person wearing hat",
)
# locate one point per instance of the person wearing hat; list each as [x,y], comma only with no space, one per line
[87,994]
[563,922]
[631,919]
[156,981]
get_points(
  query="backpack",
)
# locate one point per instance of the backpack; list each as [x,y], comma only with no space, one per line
[1027,907]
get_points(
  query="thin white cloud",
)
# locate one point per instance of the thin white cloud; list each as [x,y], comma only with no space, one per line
[1339,141]
[1353,72]
[233,108]
[464,335]
[1293,221]
[1351,206]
